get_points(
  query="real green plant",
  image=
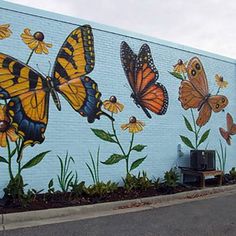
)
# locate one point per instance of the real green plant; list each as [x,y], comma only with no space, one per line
[171,177]
[78,188]
[156,182]
[66,177]
[51,188]
[94,167]
[139,182]
[101,188]
[15,188]
[222,157]
[232,172]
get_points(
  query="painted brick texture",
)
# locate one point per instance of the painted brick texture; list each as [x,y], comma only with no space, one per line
[68,131]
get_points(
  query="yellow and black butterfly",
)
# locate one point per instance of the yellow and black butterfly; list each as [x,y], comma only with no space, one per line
[29,91]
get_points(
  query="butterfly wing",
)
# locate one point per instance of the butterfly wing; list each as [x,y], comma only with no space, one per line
[225,134]
[28,107]
[217,102]
[189,96]
[128,61]
[231,127]
[204,114]
[197,76]
[75,59]
[148,93]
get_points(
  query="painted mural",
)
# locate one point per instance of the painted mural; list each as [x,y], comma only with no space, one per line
[123,137]
[134,126]
[142,76]
[29,90]
[225,134]
[194,95]
[5,31]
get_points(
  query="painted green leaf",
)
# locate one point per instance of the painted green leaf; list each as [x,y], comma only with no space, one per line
[35,160]
[114,158]
[188,125]
[139,147]
[136,163]
[103,135]
[186,141]
[13,152]
[204,137]
[2,159]
[177,75]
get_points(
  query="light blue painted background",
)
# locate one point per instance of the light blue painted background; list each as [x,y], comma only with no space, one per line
[67,130]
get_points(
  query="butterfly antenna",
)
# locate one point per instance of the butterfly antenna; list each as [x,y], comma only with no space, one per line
[126,86]
[37,65]
[107,115]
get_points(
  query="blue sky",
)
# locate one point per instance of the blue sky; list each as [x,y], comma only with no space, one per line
[208,25]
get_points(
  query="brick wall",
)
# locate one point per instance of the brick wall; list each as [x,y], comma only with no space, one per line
[68,131]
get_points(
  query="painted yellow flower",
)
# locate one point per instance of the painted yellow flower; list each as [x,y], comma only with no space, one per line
[5,32]
[180,67]
[35,41]
[220,81]
[134,125]
[6,129]
[113,105]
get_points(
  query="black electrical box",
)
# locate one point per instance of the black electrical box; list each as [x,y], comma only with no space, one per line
[203,159]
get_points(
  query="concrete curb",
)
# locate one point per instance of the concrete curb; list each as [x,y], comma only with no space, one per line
[49,216]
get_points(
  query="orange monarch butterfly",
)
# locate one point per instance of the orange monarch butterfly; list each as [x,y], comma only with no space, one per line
[142,76]
[231,129]
[194,93]
[29,91]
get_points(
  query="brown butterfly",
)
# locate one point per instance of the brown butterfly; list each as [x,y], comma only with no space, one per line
[231,129]
[194,93]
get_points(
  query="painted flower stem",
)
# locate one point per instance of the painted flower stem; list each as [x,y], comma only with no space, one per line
[218,91]
[9,159]
[31,54]
[115,135]
[196,132]
[127,156]
[18,144]
[120,146]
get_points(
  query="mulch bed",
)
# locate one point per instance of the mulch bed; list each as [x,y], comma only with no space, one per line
[59,199]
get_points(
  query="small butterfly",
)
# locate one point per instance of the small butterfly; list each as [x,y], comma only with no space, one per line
[142,76]
[194,93]
[29,91]
[231,129]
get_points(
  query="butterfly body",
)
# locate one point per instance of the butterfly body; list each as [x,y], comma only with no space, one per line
[53,92]
[194,93]
[142,76]
[29,91]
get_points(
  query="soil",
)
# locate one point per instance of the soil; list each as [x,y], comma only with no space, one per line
[59,199]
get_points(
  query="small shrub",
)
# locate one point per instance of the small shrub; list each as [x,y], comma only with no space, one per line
[141,182]
[100,189]
[51,189]
[15,189]
[233,173]
[78,188]
[171,178]
[157,182]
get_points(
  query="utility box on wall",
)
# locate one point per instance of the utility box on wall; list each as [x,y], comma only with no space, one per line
[122,93]
[203,160]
